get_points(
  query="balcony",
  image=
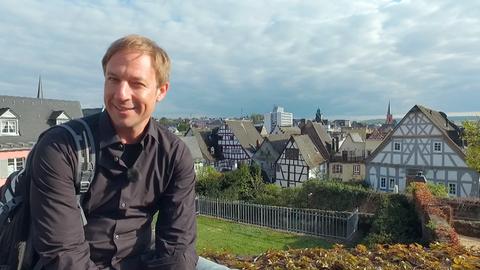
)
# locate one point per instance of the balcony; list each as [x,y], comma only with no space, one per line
[348,159]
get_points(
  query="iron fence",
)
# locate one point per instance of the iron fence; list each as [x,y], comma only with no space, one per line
[307,221]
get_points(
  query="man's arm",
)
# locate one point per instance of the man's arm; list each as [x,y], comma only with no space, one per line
[58,234]
[176,230]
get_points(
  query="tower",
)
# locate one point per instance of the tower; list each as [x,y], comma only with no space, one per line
[389,120]
[40,88]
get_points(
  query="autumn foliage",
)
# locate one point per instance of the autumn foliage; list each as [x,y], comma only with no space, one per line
[399,256]
[435,217]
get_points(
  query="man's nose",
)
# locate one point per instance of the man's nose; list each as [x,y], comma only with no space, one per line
[123,91]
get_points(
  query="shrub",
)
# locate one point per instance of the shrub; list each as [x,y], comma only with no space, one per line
[395,222]
[437,190]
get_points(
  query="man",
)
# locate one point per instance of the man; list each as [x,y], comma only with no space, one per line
[141,168]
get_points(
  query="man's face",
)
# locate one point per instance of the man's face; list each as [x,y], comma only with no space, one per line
[131,91]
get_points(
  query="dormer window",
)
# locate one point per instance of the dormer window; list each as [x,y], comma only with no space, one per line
[9,127]
[8,123]
[58,118]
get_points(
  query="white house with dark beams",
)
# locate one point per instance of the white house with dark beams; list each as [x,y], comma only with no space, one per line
[237,140]
[299,161]
[426,142]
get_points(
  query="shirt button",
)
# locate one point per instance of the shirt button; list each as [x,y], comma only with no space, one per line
[116,158]
[120,146]
[123,205]
[116,236]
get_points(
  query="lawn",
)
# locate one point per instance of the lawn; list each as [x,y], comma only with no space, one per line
[239,239]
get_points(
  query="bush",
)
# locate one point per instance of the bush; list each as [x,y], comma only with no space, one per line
[437,190]
[396,221]
[209,182]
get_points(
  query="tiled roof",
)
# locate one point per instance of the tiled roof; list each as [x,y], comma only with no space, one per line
[193,146]
[356,137]
[33,116]
[308,150]
[246,133]
[202,138]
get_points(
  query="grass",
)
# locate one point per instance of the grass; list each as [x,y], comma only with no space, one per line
[239,239]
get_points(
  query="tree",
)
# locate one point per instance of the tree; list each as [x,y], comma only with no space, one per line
[183,126]
[256,118]
[472,136]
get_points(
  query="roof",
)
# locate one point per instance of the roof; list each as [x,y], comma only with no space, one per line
[245,133]
[33,116]
[441,121]
[377,135]
[308,150]
[318,134]
[194,148]
[450,131]
[278,141]
[356,137]
[90,111]
[201,135]
[3,110]
[56,114]
[290,130]
[322,132]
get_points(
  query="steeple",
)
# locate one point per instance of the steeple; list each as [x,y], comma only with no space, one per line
[40,88]
[389,119]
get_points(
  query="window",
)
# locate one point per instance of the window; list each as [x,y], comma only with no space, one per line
[391,183]
[452,189]
[383,182]
[437,147]
[8,127]
[291,153]
[397,146]
[15,164]
[337,168]
[356,169]
[61,121]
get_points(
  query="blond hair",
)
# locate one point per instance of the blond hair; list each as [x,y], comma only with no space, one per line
[160,59]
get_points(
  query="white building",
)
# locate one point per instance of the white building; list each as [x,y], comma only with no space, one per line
[277,118]
[426,142]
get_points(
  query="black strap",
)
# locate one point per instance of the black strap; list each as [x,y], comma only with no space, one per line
[85,151]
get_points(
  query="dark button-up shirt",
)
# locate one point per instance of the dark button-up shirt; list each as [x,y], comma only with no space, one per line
[120,204]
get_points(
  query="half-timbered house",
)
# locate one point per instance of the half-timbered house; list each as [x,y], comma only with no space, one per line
[424,141]
[237,140]
[299,161]
[268,153]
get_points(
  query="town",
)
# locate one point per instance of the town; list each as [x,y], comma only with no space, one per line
[387,156]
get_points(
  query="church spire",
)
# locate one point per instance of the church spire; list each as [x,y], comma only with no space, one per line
[40,88]
[389,119]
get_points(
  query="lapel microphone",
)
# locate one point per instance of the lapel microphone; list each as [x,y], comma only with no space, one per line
[133,175]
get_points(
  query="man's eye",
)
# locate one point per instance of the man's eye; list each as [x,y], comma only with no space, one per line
[112,79]
[139,84]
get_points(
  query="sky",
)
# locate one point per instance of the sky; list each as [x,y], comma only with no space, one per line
[232,58]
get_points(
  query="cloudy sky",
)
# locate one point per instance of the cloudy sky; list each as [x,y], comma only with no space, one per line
[348,58]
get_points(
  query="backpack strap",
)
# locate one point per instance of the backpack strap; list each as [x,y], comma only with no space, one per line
[86,158]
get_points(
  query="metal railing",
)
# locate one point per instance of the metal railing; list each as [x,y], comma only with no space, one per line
[315,222]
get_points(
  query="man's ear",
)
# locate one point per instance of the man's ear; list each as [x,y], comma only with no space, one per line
[162,91]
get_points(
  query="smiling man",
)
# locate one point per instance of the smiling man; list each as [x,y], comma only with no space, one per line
[141,168]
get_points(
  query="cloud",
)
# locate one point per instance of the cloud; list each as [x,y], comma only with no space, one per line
[232,57]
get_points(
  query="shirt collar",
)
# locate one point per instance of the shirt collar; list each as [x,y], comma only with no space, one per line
[108,135]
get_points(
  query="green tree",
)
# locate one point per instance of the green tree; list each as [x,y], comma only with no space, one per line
[472,136]
[183,126]
[256,118]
